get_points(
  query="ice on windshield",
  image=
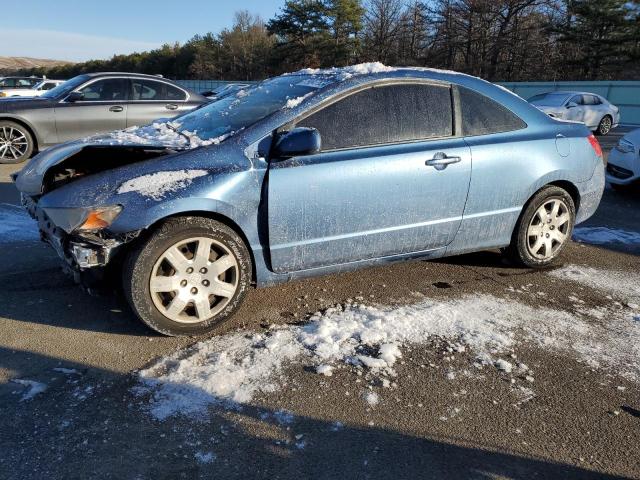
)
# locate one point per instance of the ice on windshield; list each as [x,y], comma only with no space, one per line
[246,107]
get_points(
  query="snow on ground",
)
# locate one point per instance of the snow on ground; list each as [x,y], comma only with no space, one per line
[624,285]
[157,185]
[604,235]
[232,369]
[33,388]
[16,225]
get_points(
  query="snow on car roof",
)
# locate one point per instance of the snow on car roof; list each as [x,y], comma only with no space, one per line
[344,73]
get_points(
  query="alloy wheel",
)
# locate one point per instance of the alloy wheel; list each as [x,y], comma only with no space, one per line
[13,143]
[194,280]
[549,229]
[605,125]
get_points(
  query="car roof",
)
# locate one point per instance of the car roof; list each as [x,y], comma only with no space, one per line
[572,92]
[125,74]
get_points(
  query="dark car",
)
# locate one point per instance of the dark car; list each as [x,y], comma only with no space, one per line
[87,105]
[312,173]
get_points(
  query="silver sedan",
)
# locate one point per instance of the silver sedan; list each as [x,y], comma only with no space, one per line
[593,110]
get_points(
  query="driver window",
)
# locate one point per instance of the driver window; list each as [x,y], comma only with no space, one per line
[111,89]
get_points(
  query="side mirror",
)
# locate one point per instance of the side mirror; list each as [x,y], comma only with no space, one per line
[572,105]
[74,97]
[299,141]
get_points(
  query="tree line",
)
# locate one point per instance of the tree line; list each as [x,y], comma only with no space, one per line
[500,40]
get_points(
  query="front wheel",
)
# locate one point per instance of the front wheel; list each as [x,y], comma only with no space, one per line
[188,277]
[544,228]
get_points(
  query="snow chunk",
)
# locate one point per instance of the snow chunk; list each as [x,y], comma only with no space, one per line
[16,225]
[35,388]
[604,236]
[157,185]
[204,457]
[294,102]
[503,365]
[326,370]
[372,398]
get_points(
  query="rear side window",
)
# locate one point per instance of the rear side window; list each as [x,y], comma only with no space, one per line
[151,90]
[384,114]
[483,116]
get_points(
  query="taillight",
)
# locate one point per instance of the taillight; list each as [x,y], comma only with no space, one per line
[595,144]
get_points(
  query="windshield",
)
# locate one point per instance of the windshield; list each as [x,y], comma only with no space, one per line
[246,107]
[549,99]
[65,88]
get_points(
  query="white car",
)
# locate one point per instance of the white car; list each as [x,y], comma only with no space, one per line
[589,108]
[37,90]
[623,165]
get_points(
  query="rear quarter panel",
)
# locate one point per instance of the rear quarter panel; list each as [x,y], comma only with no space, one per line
[509,168]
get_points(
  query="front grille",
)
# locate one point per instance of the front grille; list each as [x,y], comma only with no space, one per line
[618,172]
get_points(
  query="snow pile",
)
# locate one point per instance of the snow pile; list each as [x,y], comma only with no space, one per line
[167,134]
[228,369]
[233,368]
[16,225]
[34,388]
[157,185]
[344,73]
[603,236]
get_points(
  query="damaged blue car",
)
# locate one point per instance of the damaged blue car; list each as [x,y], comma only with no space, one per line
[309,173]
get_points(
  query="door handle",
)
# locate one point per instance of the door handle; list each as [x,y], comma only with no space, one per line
[116,108]
[440,161]
[171,106]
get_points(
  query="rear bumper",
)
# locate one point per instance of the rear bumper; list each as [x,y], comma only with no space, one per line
[79,252]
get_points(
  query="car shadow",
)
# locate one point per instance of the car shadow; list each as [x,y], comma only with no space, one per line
[92,423]
[9,193]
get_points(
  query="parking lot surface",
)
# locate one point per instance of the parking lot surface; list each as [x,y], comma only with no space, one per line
[466,367]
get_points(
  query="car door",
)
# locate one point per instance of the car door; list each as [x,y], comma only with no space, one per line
[575,113]
[153,99]
[102,108]
[374,190]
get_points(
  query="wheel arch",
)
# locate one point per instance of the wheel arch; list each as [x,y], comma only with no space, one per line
[569,187]
[28,126]
[213,216]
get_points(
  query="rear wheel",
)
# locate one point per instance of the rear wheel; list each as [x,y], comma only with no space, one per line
[544,228]
[604,127]
[16,143]
[188,277]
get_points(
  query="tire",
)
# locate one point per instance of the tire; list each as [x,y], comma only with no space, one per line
[16,143]
[604,127]
[554,234]
[155,276]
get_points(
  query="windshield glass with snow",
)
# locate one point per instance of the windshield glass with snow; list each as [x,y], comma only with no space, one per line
[235,112]
[549,99]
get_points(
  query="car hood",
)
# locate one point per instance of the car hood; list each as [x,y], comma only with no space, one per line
[634,137]
[30,181]
[22,103]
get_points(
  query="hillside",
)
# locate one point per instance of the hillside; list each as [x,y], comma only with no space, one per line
[19,63]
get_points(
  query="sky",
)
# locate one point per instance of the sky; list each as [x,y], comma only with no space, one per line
[77,30]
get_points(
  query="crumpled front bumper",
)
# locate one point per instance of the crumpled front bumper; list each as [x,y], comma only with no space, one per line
[79,252]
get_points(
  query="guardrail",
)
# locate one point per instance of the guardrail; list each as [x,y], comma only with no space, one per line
[623,94]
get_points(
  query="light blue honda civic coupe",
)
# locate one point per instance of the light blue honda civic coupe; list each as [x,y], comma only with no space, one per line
[309,173]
